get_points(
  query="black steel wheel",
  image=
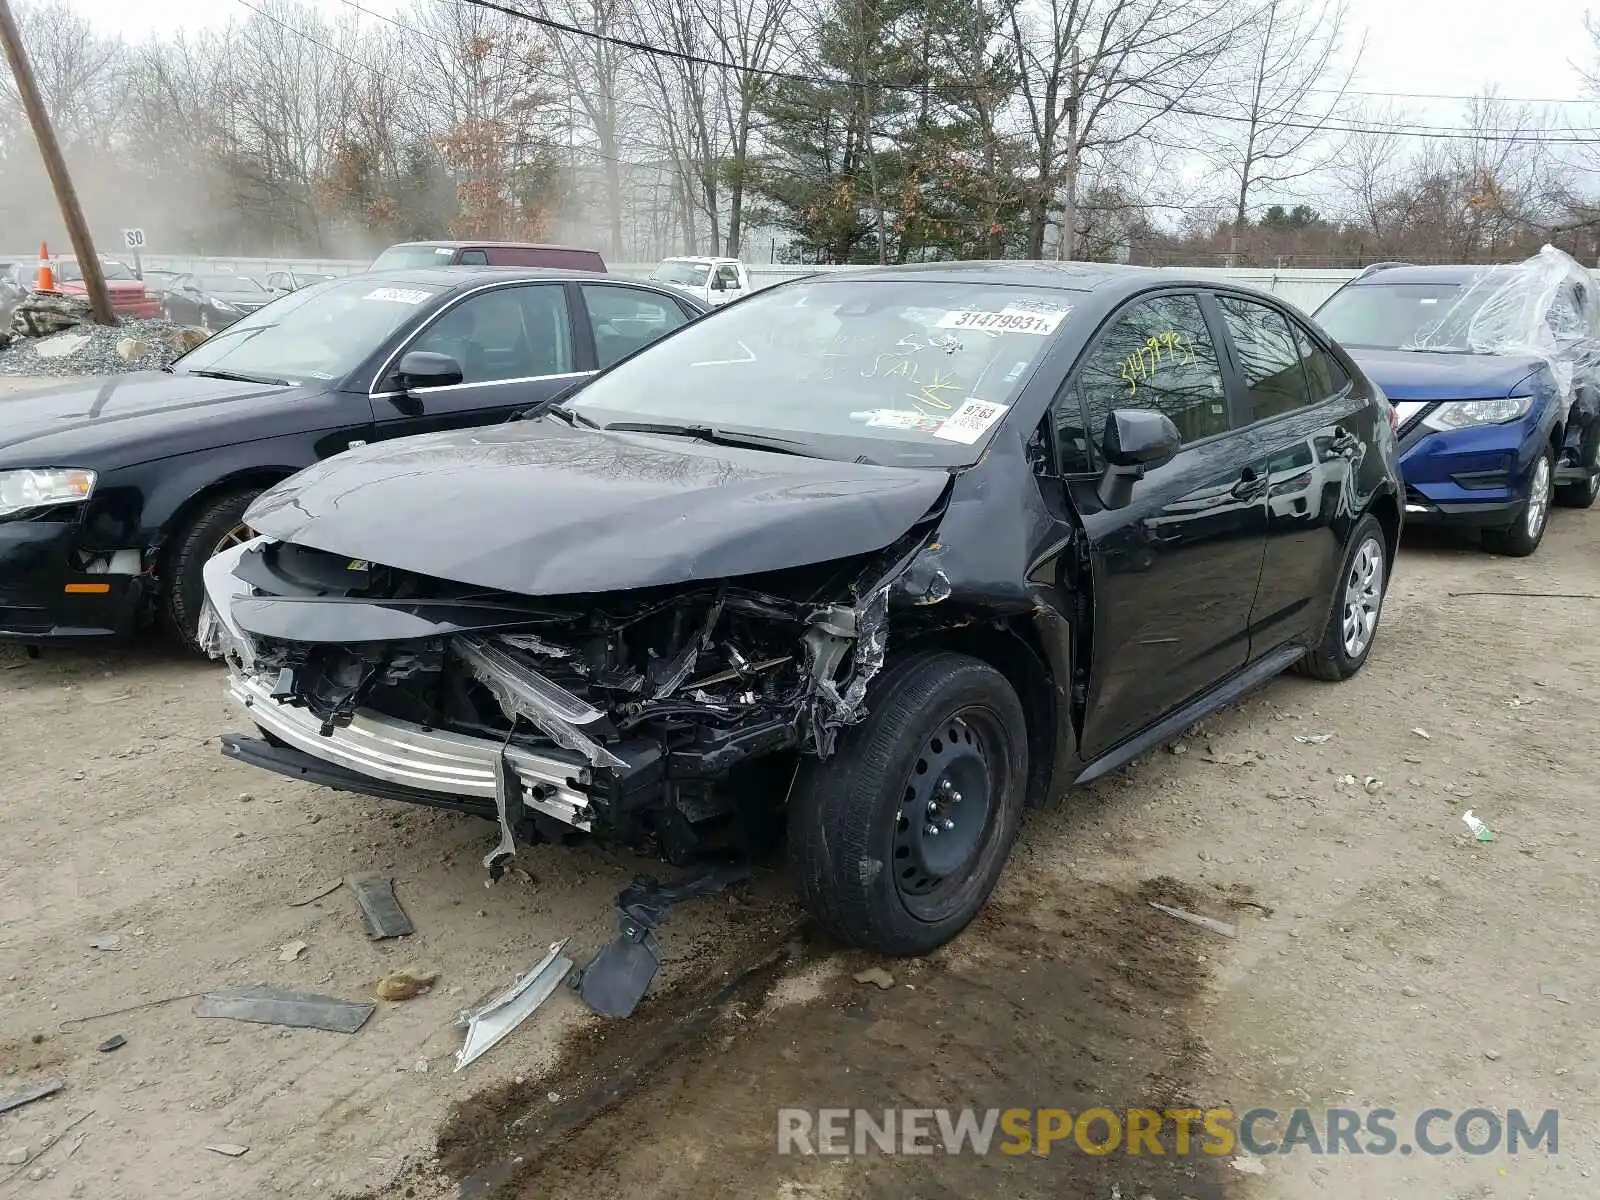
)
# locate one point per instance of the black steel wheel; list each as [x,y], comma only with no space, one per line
[899,837]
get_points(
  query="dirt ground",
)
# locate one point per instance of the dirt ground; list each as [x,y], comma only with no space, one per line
[1384,958]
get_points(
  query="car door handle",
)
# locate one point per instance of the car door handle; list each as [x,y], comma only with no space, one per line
[1250,485]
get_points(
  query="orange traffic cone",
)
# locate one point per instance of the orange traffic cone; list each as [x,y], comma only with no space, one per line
[47,277]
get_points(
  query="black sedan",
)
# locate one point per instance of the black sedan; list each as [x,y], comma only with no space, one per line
[114,491]
[212,301]
[910,548]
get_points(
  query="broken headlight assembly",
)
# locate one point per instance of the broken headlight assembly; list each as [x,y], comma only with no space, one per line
[1465,414]
[22,491]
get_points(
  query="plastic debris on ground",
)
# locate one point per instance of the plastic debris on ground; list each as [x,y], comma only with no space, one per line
[1479,830]
[1312,739]
[28,1095]
[1551,991]
[261,1005]
[380,909]
[115,1042]
[56,335]
[291,951]
[1222,928]
[231,1149]
[1423,734]
[488,1025]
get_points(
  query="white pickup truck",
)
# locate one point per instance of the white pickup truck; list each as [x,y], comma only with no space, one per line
[713,281]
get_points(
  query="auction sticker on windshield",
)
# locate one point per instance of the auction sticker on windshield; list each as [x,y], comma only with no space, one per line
[970,422]
[1007,320]
[398,295]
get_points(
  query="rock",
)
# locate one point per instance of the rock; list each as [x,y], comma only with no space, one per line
[231,1149]
[1492,1055]
[132,349]
[40,314]
[291,951]
[62,345]
[404,985]
[37,1175]
[187,338]
[16,1156]
[107,941]
[875,975]
[1410,991]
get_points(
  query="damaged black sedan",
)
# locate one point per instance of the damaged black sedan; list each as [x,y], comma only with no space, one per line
[886,555]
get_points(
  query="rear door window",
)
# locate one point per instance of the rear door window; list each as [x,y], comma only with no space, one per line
[1269,358]
[627,319]
[1156,354]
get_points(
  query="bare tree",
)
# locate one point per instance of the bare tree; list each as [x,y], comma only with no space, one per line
[1097,74]
[1371,168]
[1271,128]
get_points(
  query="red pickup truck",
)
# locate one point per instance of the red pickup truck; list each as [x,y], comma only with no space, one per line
[128,295]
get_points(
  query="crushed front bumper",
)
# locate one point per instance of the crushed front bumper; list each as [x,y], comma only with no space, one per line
[407,758]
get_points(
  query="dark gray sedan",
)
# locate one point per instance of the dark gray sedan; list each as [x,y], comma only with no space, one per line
[213,301]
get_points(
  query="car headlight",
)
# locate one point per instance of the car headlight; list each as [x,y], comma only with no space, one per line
[22,490]
[1463,414]
[223,305]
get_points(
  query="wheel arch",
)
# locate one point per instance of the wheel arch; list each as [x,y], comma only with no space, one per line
[245,479]
[1386,508]
[1013,648]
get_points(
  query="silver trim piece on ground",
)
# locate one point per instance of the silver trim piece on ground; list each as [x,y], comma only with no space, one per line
[430,759]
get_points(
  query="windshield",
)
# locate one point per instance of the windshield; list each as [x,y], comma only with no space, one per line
[397,258]
[73,273]
[1397,316]
[902,373]
[317,333]
[228,283]
[686,273]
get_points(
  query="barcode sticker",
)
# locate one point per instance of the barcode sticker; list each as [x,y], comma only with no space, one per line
[970,422]
[1007,320]
[398,295]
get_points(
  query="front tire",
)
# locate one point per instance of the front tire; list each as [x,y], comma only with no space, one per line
[899,837]
[218,525]
[1357,605]
[1584,494]
[1522,537]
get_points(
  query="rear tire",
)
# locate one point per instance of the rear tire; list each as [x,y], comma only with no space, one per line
[944,747]
[217,525]
[1357,606]
[1522,537]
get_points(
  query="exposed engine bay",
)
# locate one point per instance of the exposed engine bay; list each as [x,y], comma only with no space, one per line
[662,717]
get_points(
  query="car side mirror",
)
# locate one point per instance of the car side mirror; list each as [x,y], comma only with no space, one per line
[424,369]
[1135,439]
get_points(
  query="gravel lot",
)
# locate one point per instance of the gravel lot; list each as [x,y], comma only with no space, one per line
[1384,958]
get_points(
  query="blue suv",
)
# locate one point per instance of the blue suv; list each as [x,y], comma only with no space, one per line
[1494,374]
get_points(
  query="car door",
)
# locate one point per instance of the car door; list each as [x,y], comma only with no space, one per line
[624,320]
[1175,570]
[516,346]
[1310,432]
[728,276]
[184,300]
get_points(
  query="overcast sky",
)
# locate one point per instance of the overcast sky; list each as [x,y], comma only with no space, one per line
[1453,47]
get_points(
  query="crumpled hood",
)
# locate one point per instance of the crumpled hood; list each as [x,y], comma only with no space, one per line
[540,508]
[1427,375]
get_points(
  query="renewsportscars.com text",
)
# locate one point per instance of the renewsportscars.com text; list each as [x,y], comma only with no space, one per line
[1176,1132]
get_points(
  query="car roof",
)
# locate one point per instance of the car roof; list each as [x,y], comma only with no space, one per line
[1439,273]
[1108,279]
[699,258]
[458,245]
[460,278]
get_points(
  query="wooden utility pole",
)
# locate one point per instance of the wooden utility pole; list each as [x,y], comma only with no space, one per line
[1067,244]
[50,150]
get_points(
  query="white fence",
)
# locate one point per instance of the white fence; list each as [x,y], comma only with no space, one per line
[1303,287]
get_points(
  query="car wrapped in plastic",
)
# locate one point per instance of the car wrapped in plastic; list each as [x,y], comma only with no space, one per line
[1495,375]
